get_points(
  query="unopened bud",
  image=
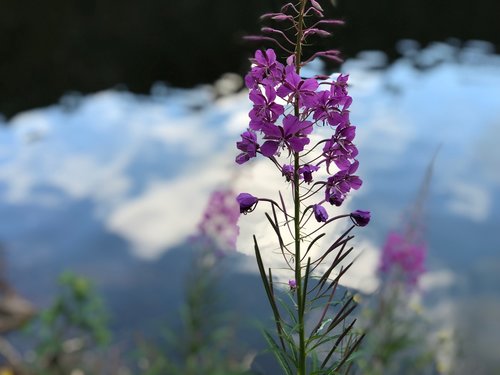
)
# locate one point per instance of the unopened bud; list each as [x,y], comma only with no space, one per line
[316,5]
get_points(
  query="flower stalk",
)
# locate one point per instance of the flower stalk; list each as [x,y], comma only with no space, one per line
[301,368]
[287,109]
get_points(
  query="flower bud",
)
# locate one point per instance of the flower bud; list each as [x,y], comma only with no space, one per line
[360,218]
[320,213]
[247,202]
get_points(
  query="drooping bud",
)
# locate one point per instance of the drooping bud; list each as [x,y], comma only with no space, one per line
[320,213]
[360,218]
[247,202]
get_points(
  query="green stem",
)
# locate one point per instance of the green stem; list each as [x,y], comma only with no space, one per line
[301,368]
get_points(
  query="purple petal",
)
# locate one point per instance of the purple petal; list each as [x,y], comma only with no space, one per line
[291,125]
[298,144]
[309,85]
[257,97]
[272,131]
[269,148]
[355,182]
[354,167]
[283,91]
[291,76]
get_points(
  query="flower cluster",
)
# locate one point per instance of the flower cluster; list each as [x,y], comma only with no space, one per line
[218,226]
[278,128]
[402,255]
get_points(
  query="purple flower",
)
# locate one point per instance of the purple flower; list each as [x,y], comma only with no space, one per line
[266,69]
[360,218]
[339,87]
[328,108]
[304,91]
[338,185]
[307,171]
[292,135]
[218,227]
[248,145]
[292,284]
[287,170]
[339,149]
[265,110]
[320,213]
[247,202]
[403,255]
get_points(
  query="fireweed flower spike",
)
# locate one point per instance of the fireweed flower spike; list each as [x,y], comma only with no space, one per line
[287,109]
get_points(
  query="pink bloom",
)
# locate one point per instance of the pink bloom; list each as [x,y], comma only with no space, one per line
[218,225]
[406,257]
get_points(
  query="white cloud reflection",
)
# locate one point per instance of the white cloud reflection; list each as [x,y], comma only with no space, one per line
[149,163]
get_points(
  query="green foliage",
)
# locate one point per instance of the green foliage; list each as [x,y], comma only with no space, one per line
[74,323]
[205,344]
[330,346]
[398,339]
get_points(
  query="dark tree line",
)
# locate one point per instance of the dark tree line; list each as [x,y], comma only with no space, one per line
[53,47]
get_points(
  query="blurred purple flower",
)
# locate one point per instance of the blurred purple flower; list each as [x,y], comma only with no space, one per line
[399,254]
[218,226]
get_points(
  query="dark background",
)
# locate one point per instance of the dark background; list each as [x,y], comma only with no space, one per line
[49,48]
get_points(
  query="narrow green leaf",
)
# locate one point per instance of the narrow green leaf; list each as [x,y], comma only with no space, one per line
[306,280]
[348,356]
[280,356]
[335,346]
[312,244]
[267,287]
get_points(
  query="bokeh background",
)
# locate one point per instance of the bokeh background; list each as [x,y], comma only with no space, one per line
[119,118]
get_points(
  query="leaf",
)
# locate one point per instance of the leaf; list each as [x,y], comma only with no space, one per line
[306,279]
[337,343]
[267,287]
[280,356]
[311,244]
